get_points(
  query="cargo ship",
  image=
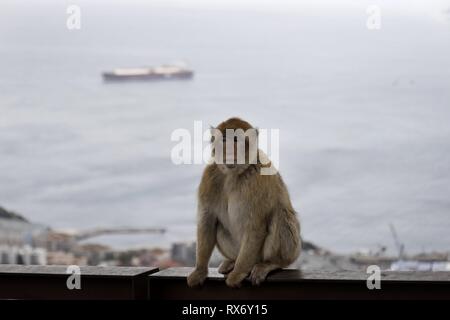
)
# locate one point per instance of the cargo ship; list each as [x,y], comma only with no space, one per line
[163,72]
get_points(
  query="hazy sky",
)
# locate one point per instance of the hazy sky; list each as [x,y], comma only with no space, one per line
[400,6]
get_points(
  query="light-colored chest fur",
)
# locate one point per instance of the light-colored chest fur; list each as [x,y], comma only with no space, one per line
[233,214]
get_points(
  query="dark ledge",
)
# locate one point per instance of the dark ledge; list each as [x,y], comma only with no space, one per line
[290,284]
[49,282]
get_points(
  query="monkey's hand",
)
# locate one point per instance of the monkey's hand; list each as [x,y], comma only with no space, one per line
[197,277]
[234,279]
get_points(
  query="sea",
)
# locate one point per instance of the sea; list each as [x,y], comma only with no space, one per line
[363,114]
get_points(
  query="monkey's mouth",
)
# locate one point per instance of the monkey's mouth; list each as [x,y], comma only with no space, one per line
[231,166]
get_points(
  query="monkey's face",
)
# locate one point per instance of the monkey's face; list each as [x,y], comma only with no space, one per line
[235,145]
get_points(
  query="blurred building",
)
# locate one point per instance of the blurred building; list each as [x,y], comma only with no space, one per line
[65,258]
[18,240]
[17,231]
[184,253]
[22,255]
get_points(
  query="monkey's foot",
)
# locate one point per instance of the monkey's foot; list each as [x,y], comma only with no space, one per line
[260,272]
[197,277]
[234,279]
[226,266]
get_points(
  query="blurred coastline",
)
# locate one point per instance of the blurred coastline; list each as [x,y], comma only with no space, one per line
[26,243]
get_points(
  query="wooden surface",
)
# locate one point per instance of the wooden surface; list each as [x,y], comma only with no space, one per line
[292,284]
[294,275]
[50,282]
[86,271]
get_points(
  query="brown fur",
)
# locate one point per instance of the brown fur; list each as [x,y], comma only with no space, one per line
[248,216]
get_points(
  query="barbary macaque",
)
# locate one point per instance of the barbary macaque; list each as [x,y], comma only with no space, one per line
[246,214]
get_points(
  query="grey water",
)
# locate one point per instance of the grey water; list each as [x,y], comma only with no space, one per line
[363,116]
